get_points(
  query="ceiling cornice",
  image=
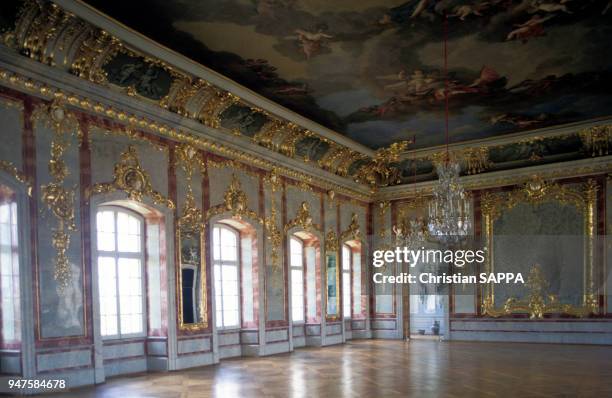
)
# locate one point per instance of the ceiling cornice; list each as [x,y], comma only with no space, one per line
[545,132]
[577,168]
[48,83]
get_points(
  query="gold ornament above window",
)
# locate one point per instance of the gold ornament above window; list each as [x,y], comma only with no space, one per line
[131,178]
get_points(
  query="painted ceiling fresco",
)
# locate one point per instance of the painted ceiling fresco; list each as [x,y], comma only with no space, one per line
[372,69]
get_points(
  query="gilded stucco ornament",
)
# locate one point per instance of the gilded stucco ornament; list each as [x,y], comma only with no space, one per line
[596,140]
[48,34]
[273,233]
[132,179]
[58,198]
[190,234]
[382,171]
[383,207]
[539,301]
[13,171]
[303,219]
[235,202]
[353,232]
[331,241]
[191,219]
[237,156]
[537,191]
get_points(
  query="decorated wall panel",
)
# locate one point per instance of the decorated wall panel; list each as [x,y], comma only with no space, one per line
[547,231]
[11,120]
[275,249]
[60,286]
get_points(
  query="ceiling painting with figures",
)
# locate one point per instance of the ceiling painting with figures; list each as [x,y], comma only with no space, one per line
[373,70]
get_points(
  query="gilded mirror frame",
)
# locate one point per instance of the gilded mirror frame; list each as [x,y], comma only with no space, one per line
[538,302]
[201,299]
[332,250]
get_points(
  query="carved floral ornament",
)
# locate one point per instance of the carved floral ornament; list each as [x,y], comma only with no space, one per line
[132,179]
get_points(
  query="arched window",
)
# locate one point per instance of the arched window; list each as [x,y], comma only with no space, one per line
[296,265]
[226,262]
[9,270]
[346,280]
[120,259]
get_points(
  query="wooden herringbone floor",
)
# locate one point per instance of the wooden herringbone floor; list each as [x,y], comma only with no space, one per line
[383,368]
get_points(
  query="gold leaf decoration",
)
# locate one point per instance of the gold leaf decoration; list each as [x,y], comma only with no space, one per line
[331,241]
[58,198]
[353,231]
[191,219]
[303,219]
[132,179]
[539,301]
[235,202]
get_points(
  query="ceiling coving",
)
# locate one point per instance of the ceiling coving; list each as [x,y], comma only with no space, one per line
[371,69]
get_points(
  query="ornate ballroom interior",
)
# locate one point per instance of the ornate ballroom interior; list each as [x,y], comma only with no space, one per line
[192,194]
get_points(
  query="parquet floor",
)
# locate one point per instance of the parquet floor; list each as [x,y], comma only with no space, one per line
[383,368]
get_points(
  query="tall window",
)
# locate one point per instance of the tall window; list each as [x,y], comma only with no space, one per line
[296,250]
[9,269]
[120,273]
[346,280]
[227,288]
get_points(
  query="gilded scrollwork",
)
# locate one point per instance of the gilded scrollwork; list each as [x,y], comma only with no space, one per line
[303,219]
[191,219]
[58,198]
[273,235]
[171,132]
[353,232]
[13,171]
[51,35]
[536,191]
[383,207]
[131,178]
[331,241]
[235,202]
[332,276]
[381,170]
[190,233]
[539,301]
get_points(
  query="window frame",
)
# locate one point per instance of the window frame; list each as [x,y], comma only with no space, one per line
[116,255]
[14,276]
[222,262]
[301,268]
[349,273]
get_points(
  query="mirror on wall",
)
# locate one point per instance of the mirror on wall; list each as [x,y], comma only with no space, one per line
[332,276]
[192,280]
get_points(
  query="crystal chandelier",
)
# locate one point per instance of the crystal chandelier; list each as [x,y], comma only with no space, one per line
[412,232]
[450,208]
